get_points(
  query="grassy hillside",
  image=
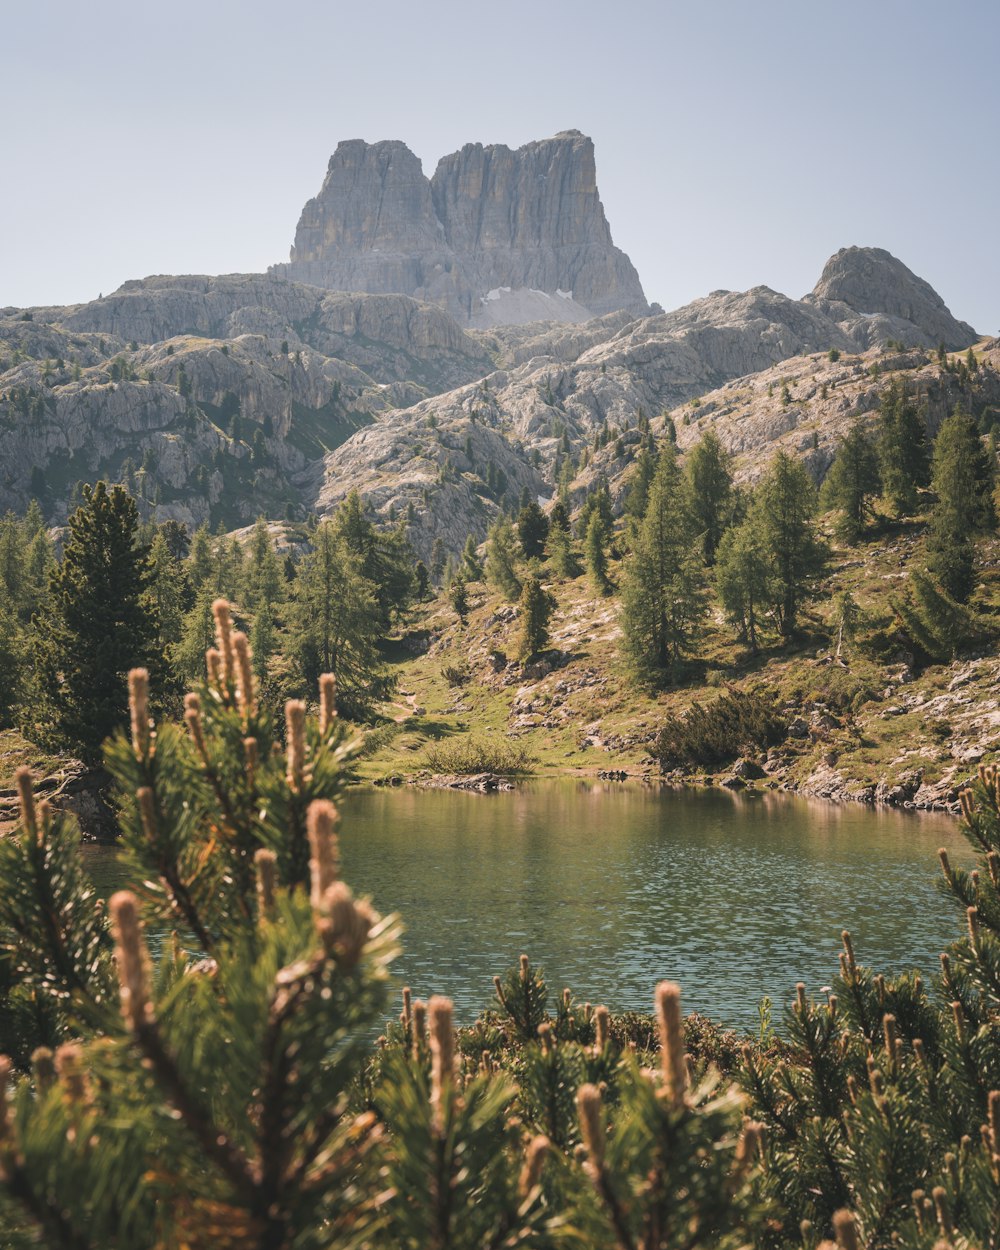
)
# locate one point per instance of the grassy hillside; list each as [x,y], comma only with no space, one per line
[857,721]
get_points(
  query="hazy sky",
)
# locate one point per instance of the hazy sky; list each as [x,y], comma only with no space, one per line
[738,141]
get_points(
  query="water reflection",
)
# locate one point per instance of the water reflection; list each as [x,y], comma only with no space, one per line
[612,887]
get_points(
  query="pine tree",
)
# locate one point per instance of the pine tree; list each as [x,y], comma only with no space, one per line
[709,487]
[662,583]
[640,478]
[501,559]
[103,622]
[781,515]
[852,483]
[168,591]
[962,481]
[535,610]
[904,462]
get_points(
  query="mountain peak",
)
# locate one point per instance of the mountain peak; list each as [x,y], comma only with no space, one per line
[870,282]
[492,222]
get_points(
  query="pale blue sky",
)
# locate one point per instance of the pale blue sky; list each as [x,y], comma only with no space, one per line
[738,141]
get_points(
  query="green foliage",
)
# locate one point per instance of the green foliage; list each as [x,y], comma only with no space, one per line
[532,530]
[458,596]
[103,622]
[904,462]
[736,723]
[708,484]
[852,483]
[501,559]
[478,753]
[662,598]
[744,580]
[595,553]
[339,624]
[562,555]
[962,481]
[935,623]
[782,515]
[534,612]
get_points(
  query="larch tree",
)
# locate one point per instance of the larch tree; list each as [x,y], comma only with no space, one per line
[782,516]
[662,585]
[709,487]
[962,482]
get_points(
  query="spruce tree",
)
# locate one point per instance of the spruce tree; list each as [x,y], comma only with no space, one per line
[852,483]
[962,482]
[782,516]
[438,556]
[384,556]
[662,583]
[709,487]
[103,621]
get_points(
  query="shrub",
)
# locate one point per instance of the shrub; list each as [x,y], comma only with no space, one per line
[478,753]
[718,732]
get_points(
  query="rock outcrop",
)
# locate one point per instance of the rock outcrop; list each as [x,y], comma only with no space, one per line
[496,236]
[874,297]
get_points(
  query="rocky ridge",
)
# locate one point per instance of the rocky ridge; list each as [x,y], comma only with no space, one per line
[221,398]
[495,236]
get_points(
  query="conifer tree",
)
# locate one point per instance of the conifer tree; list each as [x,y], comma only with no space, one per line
[472,566]
[662,583]
[337,623]
[385,558]
[103,622]
[781,515]
[744,581]
[535,610]
[168,590]
[458,596]
[640,478]
[904,462]
[852,483]
[532,530]
[562,556]
[937,624]
[263,582]
[709,487]
[438,556]
[501,559]
[962,481]
[596,554]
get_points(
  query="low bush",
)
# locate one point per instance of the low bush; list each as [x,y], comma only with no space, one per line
[718,732]
[478,753]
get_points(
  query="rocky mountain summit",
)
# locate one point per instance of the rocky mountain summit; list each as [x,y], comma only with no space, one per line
[219,399]
[495,236]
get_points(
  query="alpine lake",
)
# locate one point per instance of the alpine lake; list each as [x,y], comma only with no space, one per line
[610,887]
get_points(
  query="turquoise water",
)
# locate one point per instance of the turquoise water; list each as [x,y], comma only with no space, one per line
[612,887]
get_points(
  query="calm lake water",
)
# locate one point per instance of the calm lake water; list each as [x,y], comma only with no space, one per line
[612,887]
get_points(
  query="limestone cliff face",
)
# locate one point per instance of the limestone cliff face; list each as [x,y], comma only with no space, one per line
[493,229]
